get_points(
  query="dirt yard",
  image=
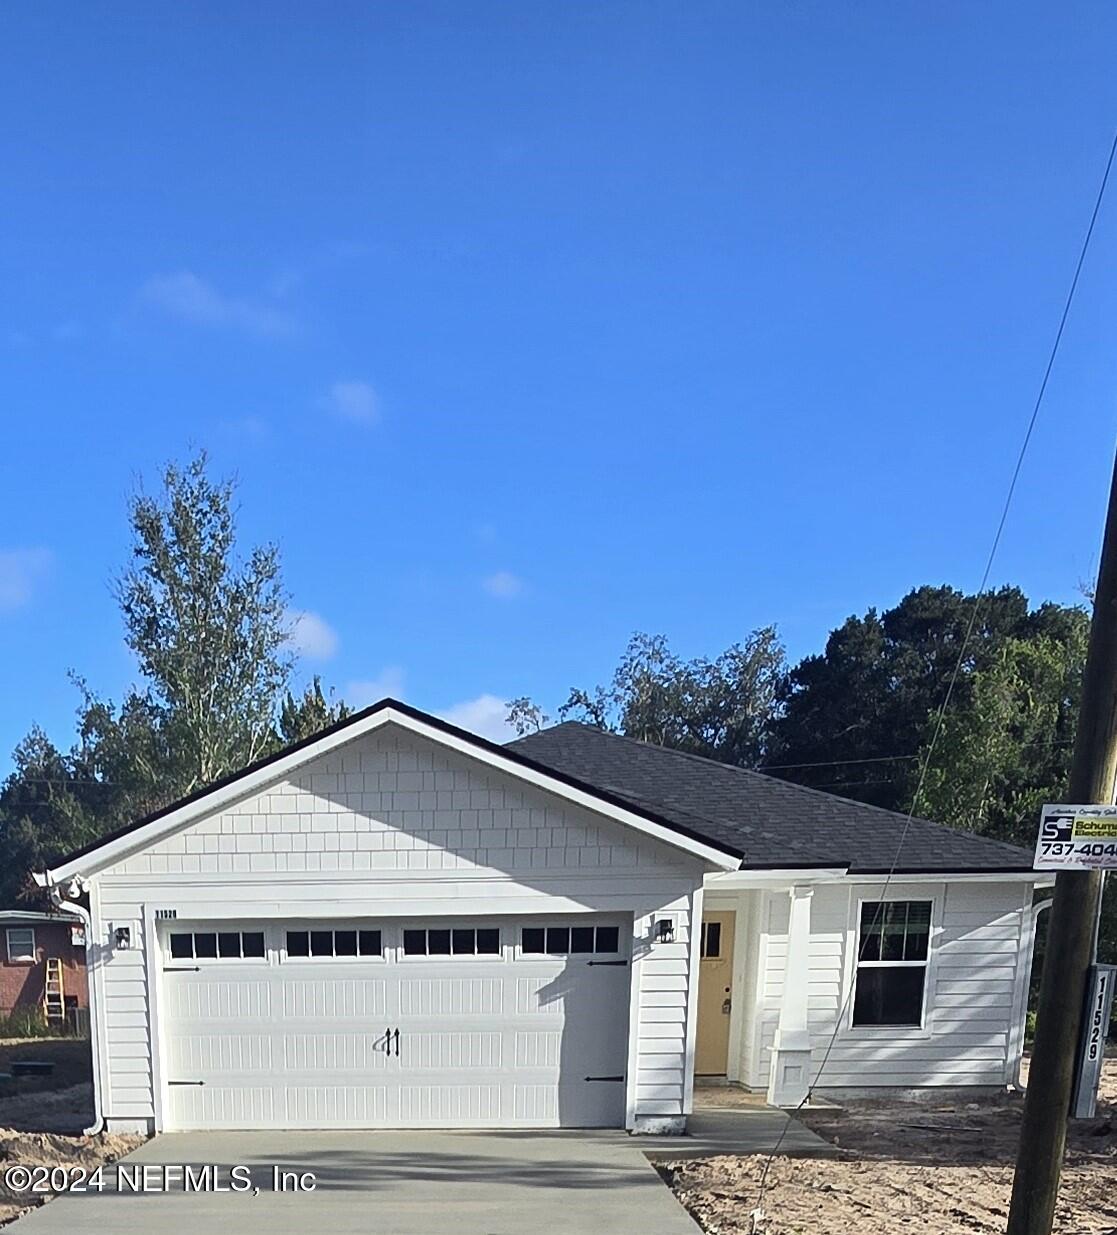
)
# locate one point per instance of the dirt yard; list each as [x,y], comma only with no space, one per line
[41,1117]
[941,1168]
[71,1058]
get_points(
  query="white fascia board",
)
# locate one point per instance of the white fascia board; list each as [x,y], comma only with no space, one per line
[726,881]
[1042,879]
[743,879]
[139,838]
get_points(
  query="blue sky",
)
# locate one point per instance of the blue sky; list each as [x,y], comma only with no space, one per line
[526,326]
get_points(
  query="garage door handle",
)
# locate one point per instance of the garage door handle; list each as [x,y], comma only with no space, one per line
[397,1044]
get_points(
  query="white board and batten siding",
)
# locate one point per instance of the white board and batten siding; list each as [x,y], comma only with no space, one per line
[394,827]
[973,1005]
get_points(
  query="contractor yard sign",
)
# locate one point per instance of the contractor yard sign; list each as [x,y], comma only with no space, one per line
[1077,837]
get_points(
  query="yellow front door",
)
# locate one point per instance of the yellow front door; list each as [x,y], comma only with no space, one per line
[715,990]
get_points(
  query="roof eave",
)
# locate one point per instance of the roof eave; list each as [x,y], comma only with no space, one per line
[147,831]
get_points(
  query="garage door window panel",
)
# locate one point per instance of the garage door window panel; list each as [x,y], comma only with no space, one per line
[454,941]
[569,940]
[217,945]
[342,943]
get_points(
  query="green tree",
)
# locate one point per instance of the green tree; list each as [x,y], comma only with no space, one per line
[303,716]
[854,717]
[51,803]
[525,716]
[1005,749]
[209,631]
[721,708]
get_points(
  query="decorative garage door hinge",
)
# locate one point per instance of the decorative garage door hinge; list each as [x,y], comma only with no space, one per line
[182,969]
[605,1078]
[613,963]
[186,1082]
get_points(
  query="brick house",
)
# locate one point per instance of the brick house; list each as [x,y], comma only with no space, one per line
[27,939]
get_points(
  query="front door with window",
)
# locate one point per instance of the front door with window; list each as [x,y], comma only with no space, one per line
[715,993]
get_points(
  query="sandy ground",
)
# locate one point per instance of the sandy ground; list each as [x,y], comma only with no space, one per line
[937,1167]
[43,1127]
[71,1059]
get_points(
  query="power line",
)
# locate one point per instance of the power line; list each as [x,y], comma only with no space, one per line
[981,592]
[834,763]
[830,763]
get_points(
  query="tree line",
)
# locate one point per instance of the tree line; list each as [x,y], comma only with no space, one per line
[210,632]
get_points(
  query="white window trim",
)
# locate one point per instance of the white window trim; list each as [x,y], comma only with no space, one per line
[853,943]
[24,958]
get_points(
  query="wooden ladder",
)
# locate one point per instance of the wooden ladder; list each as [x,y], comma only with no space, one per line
[54,997]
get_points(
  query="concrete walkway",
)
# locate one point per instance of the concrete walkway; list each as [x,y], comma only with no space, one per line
[388,1183]
[737,1130]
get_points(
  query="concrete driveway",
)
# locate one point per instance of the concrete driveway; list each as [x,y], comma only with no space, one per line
[384,1183]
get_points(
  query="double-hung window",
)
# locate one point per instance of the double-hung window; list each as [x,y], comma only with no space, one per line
[892,948]
[21,944]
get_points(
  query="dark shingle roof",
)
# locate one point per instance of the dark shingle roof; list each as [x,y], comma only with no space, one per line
[773,823]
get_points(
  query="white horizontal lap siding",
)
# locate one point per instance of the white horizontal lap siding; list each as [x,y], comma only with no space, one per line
[970,997]
[123,992]
[393,823]
[663,973]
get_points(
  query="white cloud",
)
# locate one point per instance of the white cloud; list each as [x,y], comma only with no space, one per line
[193,300]
[249,428]
[311,635]
[21,571]
[484,716]
[389,683]
[353,400]
[503,584]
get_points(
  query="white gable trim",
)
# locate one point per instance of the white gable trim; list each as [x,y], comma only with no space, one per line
[116,848]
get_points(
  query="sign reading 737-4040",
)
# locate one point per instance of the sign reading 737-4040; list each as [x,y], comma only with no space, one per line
[1077,837]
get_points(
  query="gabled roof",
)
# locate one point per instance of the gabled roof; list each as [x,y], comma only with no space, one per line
[774,824]
[136,835]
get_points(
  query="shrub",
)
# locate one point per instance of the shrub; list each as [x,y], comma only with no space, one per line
[25,1023]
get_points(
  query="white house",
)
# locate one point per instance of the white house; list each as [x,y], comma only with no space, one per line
[398,924]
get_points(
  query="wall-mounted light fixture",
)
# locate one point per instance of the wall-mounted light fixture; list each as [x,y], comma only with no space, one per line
[122,937]
[664,930]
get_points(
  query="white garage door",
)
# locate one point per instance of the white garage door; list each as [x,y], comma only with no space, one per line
[366,1024]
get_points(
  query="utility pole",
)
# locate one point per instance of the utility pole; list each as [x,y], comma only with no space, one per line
[1070,933]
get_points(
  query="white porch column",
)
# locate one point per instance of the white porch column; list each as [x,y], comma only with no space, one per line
[790,1076]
